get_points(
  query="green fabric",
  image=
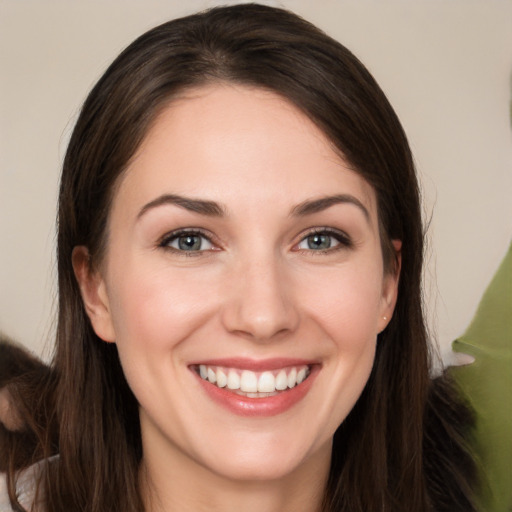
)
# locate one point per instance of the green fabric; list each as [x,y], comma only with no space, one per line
[488,385]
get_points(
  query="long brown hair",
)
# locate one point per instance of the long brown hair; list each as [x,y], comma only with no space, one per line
[378,462]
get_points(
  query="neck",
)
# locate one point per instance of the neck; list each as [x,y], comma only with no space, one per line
[182,485]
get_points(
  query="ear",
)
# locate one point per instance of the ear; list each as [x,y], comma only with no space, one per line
[390,287]
[94,294]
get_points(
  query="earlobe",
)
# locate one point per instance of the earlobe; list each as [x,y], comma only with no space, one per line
[94,294]
[390,287]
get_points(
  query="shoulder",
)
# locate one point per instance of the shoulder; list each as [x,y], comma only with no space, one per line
[26,486]
[4,496]
[25,490]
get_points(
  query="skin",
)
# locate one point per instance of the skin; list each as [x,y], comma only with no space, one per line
[256,289]
[9,416]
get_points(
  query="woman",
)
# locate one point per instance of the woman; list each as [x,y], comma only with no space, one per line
[239,255]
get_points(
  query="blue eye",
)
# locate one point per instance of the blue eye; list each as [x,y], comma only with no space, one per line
[187,241]
[323,241]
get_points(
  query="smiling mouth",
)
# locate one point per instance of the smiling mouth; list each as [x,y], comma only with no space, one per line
[254,384]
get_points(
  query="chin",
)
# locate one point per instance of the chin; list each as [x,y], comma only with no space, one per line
[259,462]
[257,470]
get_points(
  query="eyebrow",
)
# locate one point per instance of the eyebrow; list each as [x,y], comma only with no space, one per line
[209,208]
[317,205]
[213,209]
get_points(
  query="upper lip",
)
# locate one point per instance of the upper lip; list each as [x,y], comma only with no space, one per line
[255,365]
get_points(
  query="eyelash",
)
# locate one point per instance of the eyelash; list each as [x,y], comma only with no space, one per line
[165,242]
[342,239]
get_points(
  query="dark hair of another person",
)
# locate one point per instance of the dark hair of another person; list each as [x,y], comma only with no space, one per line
[25,427]
[395,451]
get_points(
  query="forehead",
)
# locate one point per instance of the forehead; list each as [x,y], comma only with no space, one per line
[236,143]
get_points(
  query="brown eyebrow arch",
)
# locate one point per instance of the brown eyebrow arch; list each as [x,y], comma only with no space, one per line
[317,205]
[200,206]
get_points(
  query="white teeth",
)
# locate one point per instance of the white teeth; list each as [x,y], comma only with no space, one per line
[222,379]
[292,378]
[281,381]
[266,383]
[233,380]
[212,377]
[248,382]
[253,384]
[257,395]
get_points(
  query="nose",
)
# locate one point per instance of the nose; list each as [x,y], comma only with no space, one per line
[260,301]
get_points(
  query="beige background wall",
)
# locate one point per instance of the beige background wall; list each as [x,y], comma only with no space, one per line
[445,65]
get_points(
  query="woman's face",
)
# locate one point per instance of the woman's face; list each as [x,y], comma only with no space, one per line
[243,284]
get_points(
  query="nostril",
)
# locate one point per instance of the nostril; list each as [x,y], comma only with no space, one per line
[260,322]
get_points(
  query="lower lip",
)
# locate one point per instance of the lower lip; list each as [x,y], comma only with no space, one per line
[262,407]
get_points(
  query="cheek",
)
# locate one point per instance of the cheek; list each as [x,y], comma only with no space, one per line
[346,302]
[157,308]
[340,312]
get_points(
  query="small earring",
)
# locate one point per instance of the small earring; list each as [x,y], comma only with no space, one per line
[385,317]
